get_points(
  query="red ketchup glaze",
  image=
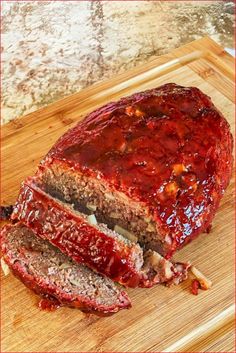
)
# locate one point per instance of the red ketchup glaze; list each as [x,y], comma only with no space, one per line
[74,236]
[49,304]
[168,147]
[195,286]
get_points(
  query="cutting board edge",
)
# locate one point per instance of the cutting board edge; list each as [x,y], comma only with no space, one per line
[185,343]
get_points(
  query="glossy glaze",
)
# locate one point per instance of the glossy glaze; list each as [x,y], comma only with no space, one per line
[168,148]
[74,236]
[49,304]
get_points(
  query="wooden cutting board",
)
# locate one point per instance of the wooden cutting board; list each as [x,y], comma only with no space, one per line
[162,319]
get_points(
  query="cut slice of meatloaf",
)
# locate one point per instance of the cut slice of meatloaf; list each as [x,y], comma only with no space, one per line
[156,164]
[51,274]
[95,245]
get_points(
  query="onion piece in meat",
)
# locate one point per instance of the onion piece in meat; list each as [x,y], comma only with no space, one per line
[92,220]
[126,234]
[114,215]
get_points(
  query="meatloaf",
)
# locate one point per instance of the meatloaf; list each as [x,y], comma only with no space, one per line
[51,274]
[156,164]
[94,244]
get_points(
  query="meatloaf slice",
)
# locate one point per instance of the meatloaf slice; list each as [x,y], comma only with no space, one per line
[156,163]
[95,245]
[51,274]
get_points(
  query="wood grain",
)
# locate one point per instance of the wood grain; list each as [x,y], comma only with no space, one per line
[161,319]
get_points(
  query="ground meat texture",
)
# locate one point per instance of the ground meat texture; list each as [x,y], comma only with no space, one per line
[167,151]
[94,245]
[51,274]
[110,207]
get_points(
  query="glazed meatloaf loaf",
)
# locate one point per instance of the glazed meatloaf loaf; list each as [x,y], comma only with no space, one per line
[51,274]
[155,164]
[85,241]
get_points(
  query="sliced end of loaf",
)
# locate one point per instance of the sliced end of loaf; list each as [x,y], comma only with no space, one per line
[48,272]
[109,206]
[71,231]
[95,245]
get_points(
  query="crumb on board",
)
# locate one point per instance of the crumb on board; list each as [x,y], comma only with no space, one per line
[200,281]
[195,286]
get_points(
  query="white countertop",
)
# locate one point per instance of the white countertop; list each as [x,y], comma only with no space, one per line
[53,49]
